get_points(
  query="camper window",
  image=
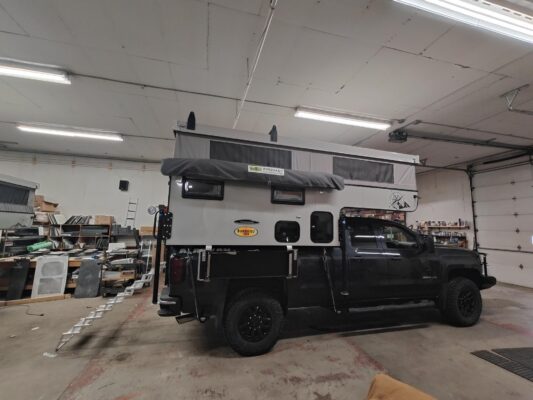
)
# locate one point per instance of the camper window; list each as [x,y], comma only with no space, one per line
[321,227]
[13,195]
[363,170]
[199,189]
[259,155]
[288,196]
[287,231]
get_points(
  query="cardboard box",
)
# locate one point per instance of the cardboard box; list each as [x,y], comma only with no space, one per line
[43,205]
[384,387]
[103,220]
[146,230]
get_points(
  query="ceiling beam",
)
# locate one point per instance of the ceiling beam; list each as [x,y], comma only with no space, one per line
[401,136]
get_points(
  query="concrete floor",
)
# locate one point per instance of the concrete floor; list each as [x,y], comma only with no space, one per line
[133,354]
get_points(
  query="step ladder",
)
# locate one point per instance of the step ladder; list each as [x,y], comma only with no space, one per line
[147,247]
[131,213]
[100,311]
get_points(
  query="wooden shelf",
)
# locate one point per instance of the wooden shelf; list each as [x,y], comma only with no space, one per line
[71,285]
[444,227]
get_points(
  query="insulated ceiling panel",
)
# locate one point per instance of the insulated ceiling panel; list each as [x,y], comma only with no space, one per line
[8,24]
[473,48]
[374,57]
[389,76]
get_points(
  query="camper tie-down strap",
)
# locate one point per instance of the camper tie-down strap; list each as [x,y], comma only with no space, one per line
[242,172]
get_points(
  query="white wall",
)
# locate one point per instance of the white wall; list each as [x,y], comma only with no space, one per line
[444,196]
[89,186]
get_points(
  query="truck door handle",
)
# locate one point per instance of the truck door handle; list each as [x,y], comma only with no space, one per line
[396,259]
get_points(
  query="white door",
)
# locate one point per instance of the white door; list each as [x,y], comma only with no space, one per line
[504,210]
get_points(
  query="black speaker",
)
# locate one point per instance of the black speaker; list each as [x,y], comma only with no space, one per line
[124,185]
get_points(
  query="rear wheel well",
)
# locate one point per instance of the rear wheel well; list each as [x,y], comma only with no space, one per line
[469,273]
[272,286]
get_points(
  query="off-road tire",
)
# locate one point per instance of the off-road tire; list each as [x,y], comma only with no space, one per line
[462,305]
[253,322]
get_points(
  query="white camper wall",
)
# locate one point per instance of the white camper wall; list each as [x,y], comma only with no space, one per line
[444,196]
[89,186]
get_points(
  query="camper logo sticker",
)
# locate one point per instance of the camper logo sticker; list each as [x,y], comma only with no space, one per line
[259,169]
[245,231]
[398,202]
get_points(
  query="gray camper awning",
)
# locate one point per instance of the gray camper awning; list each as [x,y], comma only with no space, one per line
[241,172]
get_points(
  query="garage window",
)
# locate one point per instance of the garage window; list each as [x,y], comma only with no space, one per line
[201,189]
[287,231]
[363,170]
[321,227]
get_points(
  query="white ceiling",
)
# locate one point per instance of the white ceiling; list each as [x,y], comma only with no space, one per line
[374,57]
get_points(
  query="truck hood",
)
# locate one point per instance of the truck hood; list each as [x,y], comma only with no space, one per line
[444,251]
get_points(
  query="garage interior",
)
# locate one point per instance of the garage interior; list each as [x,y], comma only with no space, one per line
[447,81]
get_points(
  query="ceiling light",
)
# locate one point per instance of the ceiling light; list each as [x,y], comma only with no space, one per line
[71,132]
[19,69]
[481,14]
[345,119]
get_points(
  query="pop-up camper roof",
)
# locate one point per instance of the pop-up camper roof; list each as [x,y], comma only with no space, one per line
[356,165]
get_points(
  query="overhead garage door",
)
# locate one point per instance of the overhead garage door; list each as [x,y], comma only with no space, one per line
[504,210]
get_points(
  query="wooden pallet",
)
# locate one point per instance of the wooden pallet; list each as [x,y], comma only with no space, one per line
[34,300]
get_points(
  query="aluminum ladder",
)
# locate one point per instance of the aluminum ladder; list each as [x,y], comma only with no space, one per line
[131,213]
[100,311]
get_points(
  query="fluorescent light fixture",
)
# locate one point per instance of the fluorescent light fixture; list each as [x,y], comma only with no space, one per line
[71,132]
[345,119]
[39,72]
[481,14]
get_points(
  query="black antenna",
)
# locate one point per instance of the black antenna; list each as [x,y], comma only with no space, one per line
[191,121]
[273,134]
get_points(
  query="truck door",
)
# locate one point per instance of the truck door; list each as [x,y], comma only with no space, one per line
[410,273]
[367,265]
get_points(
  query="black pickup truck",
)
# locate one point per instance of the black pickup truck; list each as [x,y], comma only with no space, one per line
[249,290]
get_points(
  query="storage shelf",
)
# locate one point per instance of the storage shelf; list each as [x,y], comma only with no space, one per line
[71,285]
[444,227]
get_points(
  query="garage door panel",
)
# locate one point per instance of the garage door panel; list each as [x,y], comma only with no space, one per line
[498,207]
[505,223]
[505,240]
[504,219]
[504,176]
[523,206]
[500,192]
[505,266]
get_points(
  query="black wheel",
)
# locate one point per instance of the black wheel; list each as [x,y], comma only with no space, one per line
[253,322]
[463,303]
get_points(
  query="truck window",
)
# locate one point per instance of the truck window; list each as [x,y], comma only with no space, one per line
[321,227]
[200,189]
[363,236]
[287,196]
[396,237]
[287,231]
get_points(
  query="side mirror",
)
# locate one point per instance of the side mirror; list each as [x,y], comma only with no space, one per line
[428,243]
